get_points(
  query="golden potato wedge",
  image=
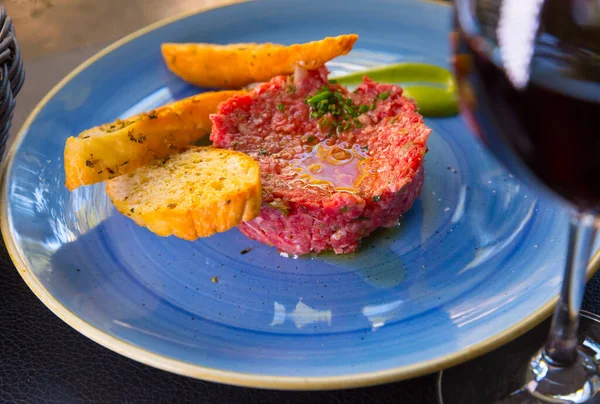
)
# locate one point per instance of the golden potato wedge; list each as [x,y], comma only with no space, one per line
[237,65]
[110,150]
[193,194]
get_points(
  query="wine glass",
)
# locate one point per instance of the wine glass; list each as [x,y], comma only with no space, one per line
[529,79]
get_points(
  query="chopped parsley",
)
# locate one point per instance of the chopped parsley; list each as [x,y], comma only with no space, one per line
[322,95]
[344,209]
[280,107]
[383,96]
[341,109]
[376,198]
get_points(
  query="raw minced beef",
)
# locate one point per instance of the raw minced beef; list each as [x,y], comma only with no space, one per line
[318,207]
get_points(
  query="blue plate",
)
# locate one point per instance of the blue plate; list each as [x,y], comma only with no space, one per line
[476,262]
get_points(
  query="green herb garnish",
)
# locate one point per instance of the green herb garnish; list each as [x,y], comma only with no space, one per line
[323,95]
[280,107]
[341,109]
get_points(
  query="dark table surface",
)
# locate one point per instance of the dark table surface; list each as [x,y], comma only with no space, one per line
[42,359]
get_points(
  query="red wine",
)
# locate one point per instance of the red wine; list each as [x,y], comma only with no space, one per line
[548,131]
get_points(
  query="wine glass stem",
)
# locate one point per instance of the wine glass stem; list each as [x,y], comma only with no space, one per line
[561,345]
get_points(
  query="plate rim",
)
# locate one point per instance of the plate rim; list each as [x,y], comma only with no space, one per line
[211,374]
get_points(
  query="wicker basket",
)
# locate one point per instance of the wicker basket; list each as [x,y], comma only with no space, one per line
[12,75]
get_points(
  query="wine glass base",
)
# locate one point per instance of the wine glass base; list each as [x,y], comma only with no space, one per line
[491,378]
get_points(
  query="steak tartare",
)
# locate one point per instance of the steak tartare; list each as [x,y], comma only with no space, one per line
[335,165]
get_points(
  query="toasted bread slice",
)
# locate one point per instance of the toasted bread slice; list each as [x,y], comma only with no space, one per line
[237,65]
[110,150]
[193,194]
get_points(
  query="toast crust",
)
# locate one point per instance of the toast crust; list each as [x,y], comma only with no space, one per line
[192,194]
